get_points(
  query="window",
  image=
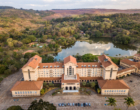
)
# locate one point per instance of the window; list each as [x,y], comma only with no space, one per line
[29,74]
[84,65]
[111,72]
[88,65]
[50,66]
[15,92]
[92,65]
[43,66]
[57,66]
[46,66]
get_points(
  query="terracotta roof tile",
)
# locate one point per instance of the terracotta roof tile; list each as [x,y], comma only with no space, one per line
[51,65]
[112,84]
[127,69]
[106,63]
[91,78]
[27,85]
[92,65]
[33,62]
[70,59]
[49,79]
[128,62]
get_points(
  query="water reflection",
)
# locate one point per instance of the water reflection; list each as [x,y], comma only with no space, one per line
[97,48]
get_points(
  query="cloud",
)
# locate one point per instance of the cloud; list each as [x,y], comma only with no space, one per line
[71,4]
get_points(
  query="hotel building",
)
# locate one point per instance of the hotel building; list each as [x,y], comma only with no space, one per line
[70,74]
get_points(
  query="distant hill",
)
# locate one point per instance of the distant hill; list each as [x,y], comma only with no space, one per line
[70,12]
[6,7]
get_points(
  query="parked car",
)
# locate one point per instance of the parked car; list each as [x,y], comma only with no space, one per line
[73,104]
[62,104]
[81,104]
[68,104]
[78,104]
[84,104]
[131,81]
[59,105]
[89,104]
[65,104]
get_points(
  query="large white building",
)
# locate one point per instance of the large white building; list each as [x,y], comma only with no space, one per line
[71,73]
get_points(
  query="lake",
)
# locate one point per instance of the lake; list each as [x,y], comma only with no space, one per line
[98,47]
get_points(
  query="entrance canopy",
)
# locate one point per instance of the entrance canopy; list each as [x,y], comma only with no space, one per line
[66,91]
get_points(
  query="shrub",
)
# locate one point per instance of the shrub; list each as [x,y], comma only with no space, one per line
[47,86]
[92,84]
[51,84]
[45,89]
[84,83]
[80,89]
[99,90]
[42,91]
[54,93]
[15,108]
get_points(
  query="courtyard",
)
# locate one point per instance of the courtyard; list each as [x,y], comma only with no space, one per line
[97,102]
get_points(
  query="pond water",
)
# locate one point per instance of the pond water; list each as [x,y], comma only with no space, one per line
[98,47]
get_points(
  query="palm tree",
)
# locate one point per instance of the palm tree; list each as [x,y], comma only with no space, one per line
[129,101]
[112,101]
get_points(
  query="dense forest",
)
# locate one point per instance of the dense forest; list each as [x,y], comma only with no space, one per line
[50,36]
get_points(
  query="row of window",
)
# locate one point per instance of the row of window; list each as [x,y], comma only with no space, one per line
[26,92]
[114,90]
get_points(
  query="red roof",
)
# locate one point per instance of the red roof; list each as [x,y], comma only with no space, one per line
[112,84]
[27,85]
[107,63]
[33,62]
[70,59]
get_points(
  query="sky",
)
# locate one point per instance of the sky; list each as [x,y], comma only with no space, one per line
[71,4]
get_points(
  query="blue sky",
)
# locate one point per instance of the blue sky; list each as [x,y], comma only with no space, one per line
[71,4]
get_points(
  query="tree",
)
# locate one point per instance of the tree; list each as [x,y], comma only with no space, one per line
[111,101]
[99,90]
[92,84]
[42,91]
[41,105]
[84,83]
[15,108]
[129,101]
[2,68]
[89,58]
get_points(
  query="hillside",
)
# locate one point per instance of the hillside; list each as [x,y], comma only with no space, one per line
[21,19]
[64,13]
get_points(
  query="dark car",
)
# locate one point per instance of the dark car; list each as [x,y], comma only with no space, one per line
[131,81]
[65,104]
[78,104]
[84,104]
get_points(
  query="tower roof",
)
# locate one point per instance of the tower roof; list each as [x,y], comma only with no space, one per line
[70,59]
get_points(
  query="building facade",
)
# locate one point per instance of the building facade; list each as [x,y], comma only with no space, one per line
[70,73]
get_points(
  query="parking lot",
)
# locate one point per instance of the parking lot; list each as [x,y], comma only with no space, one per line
[97,102]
